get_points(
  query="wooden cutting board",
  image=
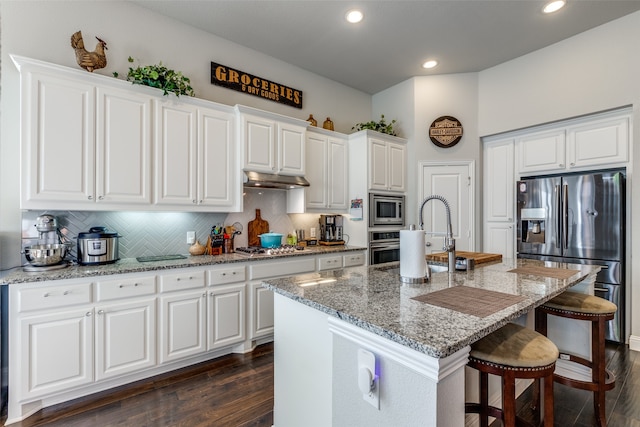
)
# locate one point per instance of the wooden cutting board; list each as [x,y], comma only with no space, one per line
[255,228]
[479,257]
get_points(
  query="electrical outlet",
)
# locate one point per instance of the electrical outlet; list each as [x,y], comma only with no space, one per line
[191,237]
[312,232]
[368,379]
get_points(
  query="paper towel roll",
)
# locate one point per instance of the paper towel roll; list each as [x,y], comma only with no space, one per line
[412,254]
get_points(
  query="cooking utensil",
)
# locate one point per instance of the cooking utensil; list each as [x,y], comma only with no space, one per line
[270,240]
[49,254]
[256,227]
[98,246]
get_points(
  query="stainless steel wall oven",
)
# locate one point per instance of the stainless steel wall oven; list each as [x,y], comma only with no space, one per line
[384,246]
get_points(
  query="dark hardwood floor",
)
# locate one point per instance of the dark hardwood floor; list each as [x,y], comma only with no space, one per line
[237,391]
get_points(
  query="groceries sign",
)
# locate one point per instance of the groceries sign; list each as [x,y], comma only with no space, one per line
[221,75]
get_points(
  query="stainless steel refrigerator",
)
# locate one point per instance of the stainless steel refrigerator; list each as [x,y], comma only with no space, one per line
[578,218]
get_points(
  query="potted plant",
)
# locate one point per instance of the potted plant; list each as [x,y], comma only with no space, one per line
[160,77]
[380,126]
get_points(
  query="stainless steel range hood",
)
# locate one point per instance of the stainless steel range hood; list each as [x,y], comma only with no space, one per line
[267,180]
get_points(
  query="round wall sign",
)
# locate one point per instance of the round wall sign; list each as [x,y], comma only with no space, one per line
[445,131]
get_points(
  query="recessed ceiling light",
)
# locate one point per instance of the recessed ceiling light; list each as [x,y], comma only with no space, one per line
[430,64]
[354,16]
[554,6]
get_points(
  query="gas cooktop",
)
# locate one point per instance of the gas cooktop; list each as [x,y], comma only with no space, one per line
[257,250]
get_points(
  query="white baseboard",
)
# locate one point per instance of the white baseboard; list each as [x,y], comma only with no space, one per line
[634,343]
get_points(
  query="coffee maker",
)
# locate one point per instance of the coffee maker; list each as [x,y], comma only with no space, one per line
[331,228]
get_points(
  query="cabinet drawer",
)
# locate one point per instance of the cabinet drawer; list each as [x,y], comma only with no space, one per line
[282,268]
[353,260]
[125,287]
[226,275]
[183,280]
[53,296]
[329,263]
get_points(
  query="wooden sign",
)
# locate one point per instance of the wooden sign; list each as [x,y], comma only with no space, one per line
[445,131]
[224,76]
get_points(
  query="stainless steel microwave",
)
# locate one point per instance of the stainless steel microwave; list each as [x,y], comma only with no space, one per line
[386,209]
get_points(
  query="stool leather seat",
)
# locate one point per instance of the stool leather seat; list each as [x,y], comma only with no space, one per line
[516,346]
[581,303]
[512,352]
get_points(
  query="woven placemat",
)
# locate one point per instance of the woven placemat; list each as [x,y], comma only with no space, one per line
[474,301]
[556,273]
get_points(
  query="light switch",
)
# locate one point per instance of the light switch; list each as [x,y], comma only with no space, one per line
[368,380]
[191,237]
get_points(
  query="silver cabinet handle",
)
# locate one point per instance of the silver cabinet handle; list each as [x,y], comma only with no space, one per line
[124,284]
[90,197]
[88,314]
[572,164]
[428,243]
[100,311]
[100,198]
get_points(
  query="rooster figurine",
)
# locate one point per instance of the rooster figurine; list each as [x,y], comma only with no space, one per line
[89,60]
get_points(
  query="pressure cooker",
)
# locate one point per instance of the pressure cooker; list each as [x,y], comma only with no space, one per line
[98,246]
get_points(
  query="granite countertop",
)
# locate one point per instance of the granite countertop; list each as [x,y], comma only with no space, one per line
[131,265]
[374,299]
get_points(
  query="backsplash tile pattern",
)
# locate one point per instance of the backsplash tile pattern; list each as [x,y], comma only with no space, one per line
[164,233]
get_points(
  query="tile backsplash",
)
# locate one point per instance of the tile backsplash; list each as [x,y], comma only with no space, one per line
[164,233]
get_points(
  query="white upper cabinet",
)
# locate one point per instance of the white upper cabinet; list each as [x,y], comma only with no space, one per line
[541,152]
[272,143]
[599,142]
[327,163]
[593,142]
[387,164]
[499,181]
[195,157]
[85,144]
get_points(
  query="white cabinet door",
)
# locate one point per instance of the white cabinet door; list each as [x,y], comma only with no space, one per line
[183,325]
[338,176]
[57,352]
[217,167]
[123,147]
[259,137]
[58,131]
[226,315]
[260,311]
[378,167]
[175,154]
[291,141]
[540,152]
[499,181]
[317,169]
[499,238]
[125,337]
[397,161]
[598,143]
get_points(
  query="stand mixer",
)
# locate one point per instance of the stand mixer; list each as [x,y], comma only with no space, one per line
[50,251]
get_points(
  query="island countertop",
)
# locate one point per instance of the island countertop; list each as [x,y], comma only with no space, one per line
[374,299]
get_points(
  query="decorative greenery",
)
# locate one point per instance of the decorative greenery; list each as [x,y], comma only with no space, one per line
[380,126]
[160,77]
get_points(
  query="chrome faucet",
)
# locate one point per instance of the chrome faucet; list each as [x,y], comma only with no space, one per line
[449,241]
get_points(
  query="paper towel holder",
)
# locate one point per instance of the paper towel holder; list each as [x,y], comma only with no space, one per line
[417,280]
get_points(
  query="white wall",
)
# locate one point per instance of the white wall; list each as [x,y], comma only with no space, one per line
[416,103]
[42,29]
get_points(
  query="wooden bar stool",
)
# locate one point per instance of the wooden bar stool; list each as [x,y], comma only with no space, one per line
[598,311]
[512,352]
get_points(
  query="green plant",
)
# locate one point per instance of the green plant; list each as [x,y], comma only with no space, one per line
[380,126]
[160,77]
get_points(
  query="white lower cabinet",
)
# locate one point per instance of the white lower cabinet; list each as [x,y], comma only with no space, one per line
[182,323]
[261,311]
[71,338]
[225,315]
[125,337]
[57,351]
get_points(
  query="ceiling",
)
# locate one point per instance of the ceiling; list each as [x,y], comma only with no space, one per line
[395,37]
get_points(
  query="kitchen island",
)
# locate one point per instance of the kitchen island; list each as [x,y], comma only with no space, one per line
[323,320]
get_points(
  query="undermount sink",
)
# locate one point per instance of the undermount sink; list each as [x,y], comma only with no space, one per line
[438,268]
[434,268]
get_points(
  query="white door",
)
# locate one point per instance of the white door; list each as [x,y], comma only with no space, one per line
[454,182]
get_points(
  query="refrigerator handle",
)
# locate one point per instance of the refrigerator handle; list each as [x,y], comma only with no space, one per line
[565,216]
[558,222]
